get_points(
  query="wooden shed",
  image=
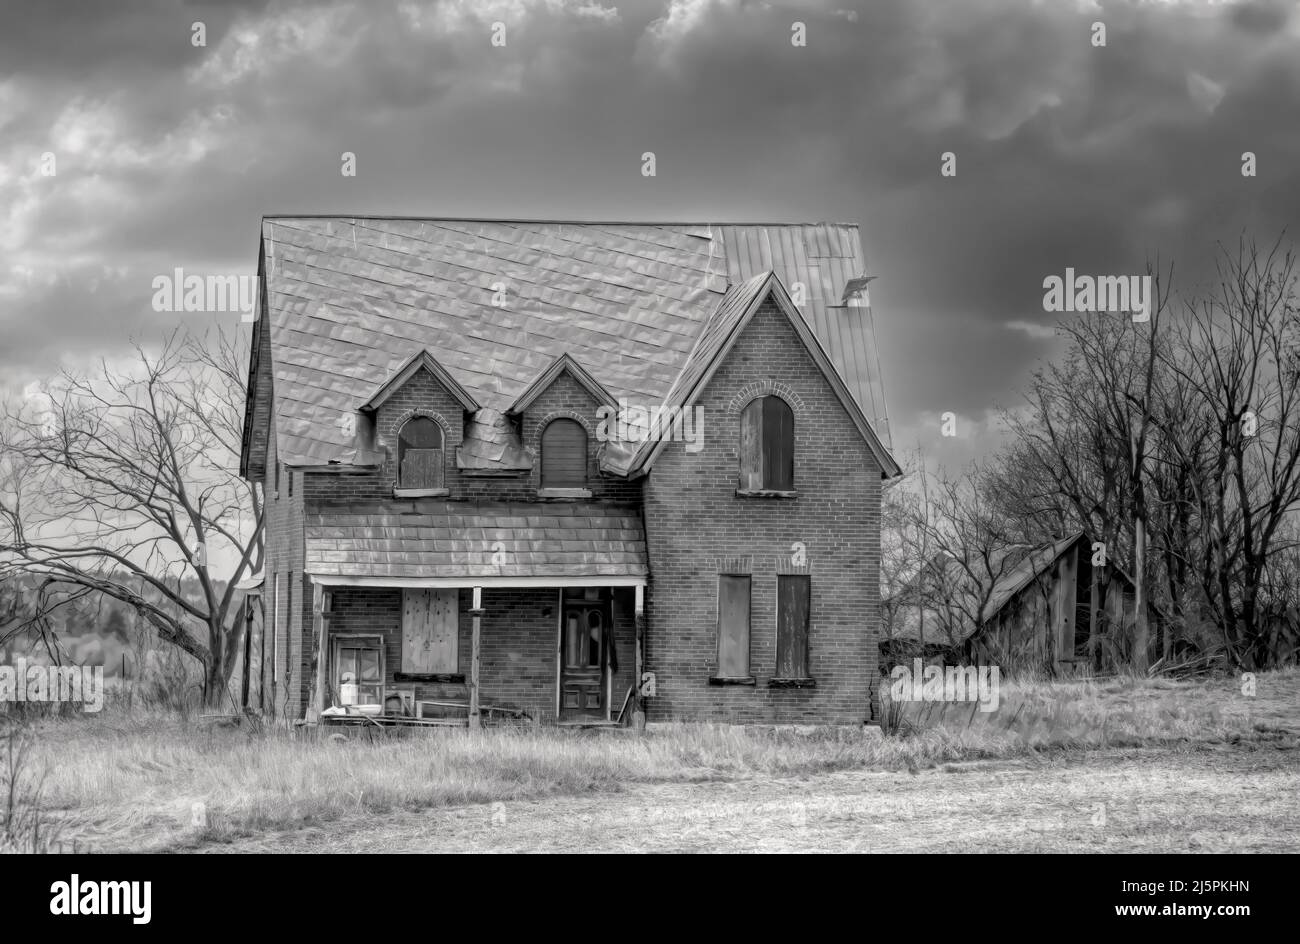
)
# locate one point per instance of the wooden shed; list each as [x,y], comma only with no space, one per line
[1049,607]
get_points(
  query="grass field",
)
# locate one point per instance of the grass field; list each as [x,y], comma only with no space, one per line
[123,780]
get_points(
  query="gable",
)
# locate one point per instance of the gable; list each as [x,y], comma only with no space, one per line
[721,336]
[563,368]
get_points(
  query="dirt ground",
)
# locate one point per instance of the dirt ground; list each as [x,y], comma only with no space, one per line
[1212,798]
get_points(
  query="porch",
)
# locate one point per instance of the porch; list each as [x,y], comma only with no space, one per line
[405,632]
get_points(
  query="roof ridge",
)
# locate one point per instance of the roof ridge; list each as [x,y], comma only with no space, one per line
[559,221]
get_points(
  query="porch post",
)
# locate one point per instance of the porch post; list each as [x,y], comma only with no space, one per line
[320,600]
[638,707]
[475,721]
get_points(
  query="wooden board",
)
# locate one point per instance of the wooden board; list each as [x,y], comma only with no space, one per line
[751,446]
[564,455]
[733,626]
[778,444]
[792,603]
[430,631]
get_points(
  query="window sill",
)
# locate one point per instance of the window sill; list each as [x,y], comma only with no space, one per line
[792,683]
[420,492]
[564,493]
[448,678]
[726,680]
[766,493]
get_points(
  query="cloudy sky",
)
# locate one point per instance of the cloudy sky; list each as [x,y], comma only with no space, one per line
[1067,154]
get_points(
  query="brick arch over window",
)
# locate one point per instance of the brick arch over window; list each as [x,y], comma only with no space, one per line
[400,421]
[420,444]
[545,421]
[764,388]
[563,448]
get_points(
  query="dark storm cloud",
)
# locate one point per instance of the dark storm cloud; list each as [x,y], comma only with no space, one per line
[1067,155]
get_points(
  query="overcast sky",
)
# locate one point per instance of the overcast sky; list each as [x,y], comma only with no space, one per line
[1068,154]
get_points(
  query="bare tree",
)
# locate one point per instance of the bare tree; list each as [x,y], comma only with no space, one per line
[124,483]
[1242,362]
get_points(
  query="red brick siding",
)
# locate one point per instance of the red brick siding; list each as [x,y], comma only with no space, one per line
[693,519]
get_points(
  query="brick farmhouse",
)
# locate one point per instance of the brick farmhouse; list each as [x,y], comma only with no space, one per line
[590,473]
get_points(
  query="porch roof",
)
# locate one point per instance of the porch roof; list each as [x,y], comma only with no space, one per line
[456,543]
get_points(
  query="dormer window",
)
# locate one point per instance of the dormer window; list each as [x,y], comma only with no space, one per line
[419,454]
[767,447]
[564,455]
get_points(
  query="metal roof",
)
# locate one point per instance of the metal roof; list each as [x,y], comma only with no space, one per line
[351,300]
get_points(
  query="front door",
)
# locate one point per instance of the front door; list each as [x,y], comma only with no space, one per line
[584,626]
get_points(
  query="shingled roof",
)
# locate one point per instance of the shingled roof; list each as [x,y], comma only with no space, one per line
[349,301]
[445,540]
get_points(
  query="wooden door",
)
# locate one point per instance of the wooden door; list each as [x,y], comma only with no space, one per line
[584,646]
[430,632]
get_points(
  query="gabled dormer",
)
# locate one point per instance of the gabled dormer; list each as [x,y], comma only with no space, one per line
[417,418]
[558,414]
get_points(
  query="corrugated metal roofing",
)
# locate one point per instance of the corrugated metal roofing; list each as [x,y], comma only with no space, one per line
[457,539]
[350,300]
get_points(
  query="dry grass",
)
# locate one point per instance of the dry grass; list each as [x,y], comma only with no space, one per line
[132,780]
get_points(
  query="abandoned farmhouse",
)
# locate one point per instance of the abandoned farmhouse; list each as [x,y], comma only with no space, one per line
[468,516]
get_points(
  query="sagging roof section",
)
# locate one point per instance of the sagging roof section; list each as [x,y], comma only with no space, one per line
[495,304]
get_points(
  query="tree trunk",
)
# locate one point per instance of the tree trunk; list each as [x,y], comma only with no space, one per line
[1140,629]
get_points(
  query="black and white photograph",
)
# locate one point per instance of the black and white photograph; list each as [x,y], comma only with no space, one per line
[666,426]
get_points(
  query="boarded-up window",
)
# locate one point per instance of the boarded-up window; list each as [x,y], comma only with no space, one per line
[767,445]
[793,592]
[564,455]
[430,632]
[419,454]
[733,626]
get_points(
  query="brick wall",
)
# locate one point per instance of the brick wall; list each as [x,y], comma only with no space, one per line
[694,521]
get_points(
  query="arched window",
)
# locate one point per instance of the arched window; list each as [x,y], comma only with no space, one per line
[564,455]
[767,446]
[419,454]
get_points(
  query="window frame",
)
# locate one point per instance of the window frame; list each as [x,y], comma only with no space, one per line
[403,489]
[747,678]
[805,680]
[342,641]
[581,490]
[755,413]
